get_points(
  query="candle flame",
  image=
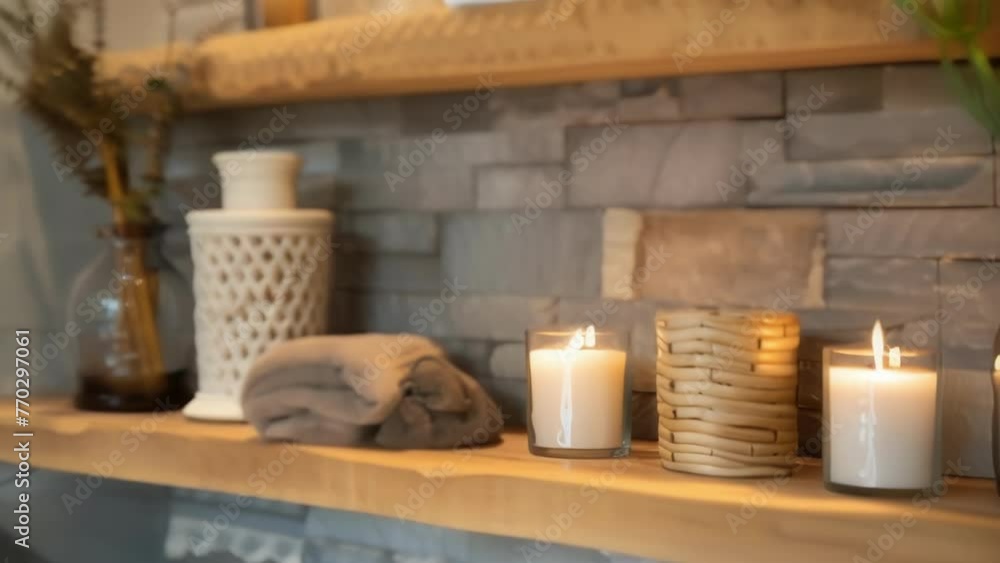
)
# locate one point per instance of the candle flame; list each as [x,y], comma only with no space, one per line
[895,359]
[878,345]
[591,337]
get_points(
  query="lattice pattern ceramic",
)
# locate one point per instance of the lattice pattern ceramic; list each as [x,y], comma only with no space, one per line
[260,277]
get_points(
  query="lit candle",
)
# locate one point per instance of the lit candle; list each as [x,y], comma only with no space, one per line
[577,392]
[996,416]
[882,421]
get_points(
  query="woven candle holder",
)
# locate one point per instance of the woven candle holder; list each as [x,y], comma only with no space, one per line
[725,390]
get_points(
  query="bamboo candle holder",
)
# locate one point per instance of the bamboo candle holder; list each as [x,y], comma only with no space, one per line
[725,388]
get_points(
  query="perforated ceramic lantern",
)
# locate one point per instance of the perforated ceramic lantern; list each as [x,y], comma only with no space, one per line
[261,274]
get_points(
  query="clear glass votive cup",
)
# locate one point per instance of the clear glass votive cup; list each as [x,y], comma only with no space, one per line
[881,425]
[579,393]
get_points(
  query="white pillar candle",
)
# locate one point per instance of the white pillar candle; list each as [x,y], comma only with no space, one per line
[577,396]
[882,423]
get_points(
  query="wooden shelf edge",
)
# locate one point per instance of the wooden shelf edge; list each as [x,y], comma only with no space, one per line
[435,50]
[631,506]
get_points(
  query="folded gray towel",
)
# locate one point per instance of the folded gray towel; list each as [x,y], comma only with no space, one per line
[393,390]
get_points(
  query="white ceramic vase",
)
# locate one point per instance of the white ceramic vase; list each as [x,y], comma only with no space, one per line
[261,274]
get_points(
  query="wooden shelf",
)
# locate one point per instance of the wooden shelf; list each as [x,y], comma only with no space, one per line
[434,49]
[635,508]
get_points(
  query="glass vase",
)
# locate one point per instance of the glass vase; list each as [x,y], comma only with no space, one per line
[134,313]
[579,393]
[882,421]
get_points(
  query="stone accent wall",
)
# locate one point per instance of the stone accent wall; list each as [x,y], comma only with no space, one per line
[842,194]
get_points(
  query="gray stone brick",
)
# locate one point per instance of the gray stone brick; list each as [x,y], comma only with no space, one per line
[970,313]
[880,284]
[488,317]
[634,318]
[675,165]
[555,106]
[361,165]
[414,233]
[888,134]
[306,121]
[432,173]
[748,94]
[967,420]
[622,228]
[957,233]
[953,181]
[645,420]
[507,146]
[388,272]
[810,430]
[831,327]
[916,87]
[192,160]
[402,174]
[450,111]
[508,361]
[514,187]
[472,356]
[853,89]
[747,258]
[558,253]
[334,551]
[511,395]
[646,100]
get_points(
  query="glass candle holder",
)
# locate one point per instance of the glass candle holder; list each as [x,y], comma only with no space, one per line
[579,393]
[882,420]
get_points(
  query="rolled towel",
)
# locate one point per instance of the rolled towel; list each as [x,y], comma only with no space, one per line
[394,390]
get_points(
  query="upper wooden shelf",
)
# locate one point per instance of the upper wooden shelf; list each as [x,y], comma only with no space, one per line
[430,49]
[631,506]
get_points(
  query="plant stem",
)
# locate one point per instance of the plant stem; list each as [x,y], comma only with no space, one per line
[138,297]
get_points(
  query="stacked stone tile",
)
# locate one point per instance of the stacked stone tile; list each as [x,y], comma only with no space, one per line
[725,384]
